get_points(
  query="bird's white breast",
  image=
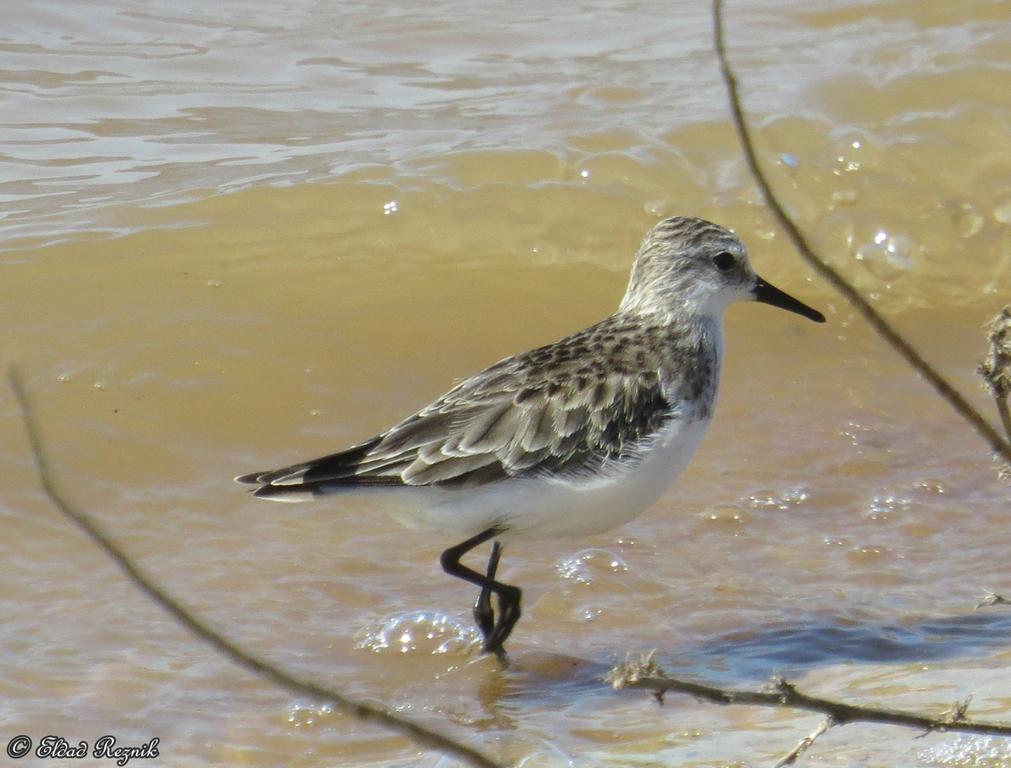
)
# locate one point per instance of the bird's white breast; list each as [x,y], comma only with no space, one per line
[580,504]
[544,506]
[586,505]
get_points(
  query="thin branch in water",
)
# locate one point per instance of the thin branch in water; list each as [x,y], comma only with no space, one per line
[991,598]
[648,675]
[956,712]
[804,744]
[419,734]
[883,328]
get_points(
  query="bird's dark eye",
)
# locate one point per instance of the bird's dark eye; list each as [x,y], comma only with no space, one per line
[723,261]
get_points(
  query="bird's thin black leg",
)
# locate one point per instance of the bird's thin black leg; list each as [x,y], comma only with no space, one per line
[483,613]
[508,595]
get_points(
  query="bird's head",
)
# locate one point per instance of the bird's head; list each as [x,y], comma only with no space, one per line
[688,266]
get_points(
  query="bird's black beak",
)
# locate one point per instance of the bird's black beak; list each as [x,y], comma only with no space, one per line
[770,294]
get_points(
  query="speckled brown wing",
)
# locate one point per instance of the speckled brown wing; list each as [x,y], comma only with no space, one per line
[565,408]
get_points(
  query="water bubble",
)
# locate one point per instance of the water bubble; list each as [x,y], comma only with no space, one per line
[418,632]
[726,514]
[782,500]
[859,435]
[587,563]
[855,153]
[306,715]
[930,485]
[888,256]
[762,500]
[548,756]
[1002,213]
[885,506]
[100,386]
[795,496]
[848,164]
[390,207]
[868,553]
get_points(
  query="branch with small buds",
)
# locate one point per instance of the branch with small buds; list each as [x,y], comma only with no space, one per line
[645,673]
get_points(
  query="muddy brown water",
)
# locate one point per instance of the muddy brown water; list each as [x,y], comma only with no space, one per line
[240,235]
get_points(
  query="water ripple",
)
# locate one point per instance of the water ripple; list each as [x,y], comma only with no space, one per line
[425,632]
[584,566]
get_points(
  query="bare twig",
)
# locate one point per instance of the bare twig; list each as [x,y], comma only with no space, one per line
[804,744]
[648,675]
[996,369]
[419,734]
[956,712]
[941,385]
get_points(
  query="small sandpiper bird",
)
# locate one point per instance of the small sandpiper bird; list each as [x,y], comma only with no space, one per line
[568,439]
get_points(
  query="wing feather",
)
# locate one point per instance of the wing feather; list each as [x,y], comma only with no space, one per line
[553,409]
